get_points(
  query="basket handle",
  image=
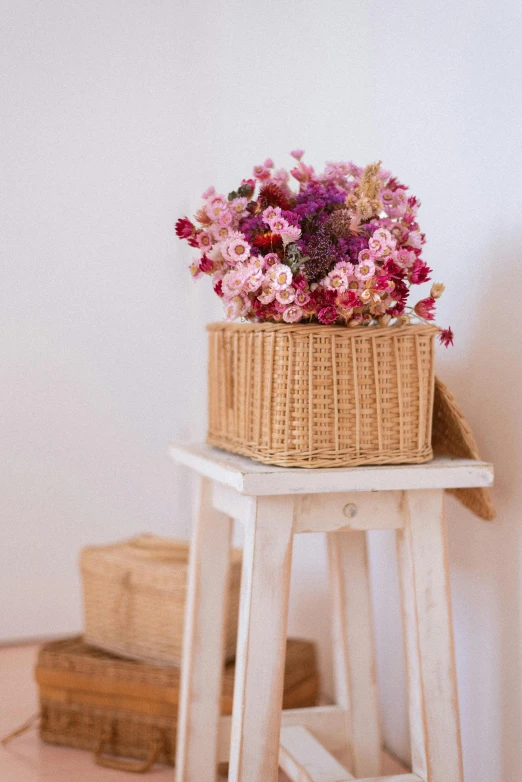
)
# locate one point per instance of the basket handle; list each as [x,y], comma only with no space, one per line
[155,548]
[112,761]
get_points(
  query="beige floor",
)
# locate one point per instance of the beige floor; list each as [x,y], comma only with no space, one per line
[27,759]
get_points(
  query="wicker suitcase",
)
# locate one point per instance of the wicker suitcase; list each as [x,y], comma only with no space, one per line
[134,598]
[124,709]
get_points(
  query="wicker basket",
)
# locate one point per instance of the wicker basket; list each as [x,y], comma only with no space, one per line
[92,700]
[308,395]
[134,598]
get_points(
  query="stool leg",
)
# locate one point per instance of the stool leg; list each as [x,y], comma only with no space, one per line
[428,634]
[261,643]
[203,642]
[354,649]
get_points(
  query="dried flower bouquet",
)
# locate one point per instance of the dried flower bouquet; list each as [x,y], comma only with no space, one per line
[345,249]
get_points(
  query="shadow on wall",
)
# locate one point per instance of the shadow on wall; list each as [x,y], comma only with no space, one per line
[485,558]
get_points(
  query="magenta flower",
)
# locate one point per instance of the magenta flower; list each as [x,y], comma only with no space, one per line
[327,315]
[425,308]
[446,337]
[184,228]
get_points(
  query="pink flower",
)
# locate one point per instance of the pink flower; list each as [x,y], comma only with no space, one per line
[286,296]
[355,285]
[346,267]
[238,207]
[257,263]
[446,337]
[297,153]
[405,258]
[327,315]
[195,270]
[271,259]
[278,224]
[301,298]
[269,163]
[233,282]
[298,174]
[280,276]
[270,213]
[292,314]
[237,306]
[225,218]
[219,232]
[184,228]
[290,234]
[267,294]
[215,206]
[365,270]
[425,308]
[280,177]
[208,192]
[205,240]
[336,280]
[261,172]
[254,281]
[236,250]
[415,239]
[374,244]
[365,255]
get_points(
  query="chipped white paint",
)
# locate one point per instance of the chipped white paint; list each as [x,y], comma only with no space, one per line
[249,477]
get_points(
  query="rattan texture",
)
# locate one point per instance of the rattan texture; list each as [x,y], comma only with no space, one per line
[86,694]
[134,598]
[307,395]
[452,436]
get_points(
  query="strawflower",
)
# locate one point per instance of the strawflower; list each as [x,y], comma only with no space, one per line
[446,337]
[340,246]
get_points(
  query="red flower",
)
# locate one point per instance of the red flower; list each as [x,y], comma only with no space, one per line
[348,300]
[268,241]
[425,308]
[206,264]
[420,272]
[327,315]
[394,184]
[393,270]
[398,310]
[381,283]
[218,288]
[184,228]
[446,337]
[300,281]
[273,195]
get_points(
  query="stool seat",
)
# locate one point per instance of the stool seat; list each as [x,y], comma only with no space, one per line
[274,503]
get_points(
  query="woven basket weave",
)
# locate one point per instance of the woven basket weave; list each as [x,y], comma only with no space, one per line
[134,598]
[93,700]
[308,395]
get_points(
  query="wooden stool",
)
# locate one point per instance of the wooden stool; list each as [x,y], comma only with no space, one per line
[274,503]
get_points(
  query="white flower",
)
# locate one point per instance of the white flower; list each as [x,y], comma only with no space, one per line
[280,276]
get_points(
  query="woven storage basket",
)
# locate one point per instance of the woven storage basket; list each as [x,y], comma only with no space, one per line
[134,598]
[308,395]
[93,700]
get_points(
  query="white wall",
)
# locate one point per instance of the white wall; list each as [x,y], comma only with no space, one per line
[116,116]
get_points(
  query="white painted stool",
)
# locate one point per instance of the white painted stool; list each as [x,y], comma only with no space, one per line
[274,503]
